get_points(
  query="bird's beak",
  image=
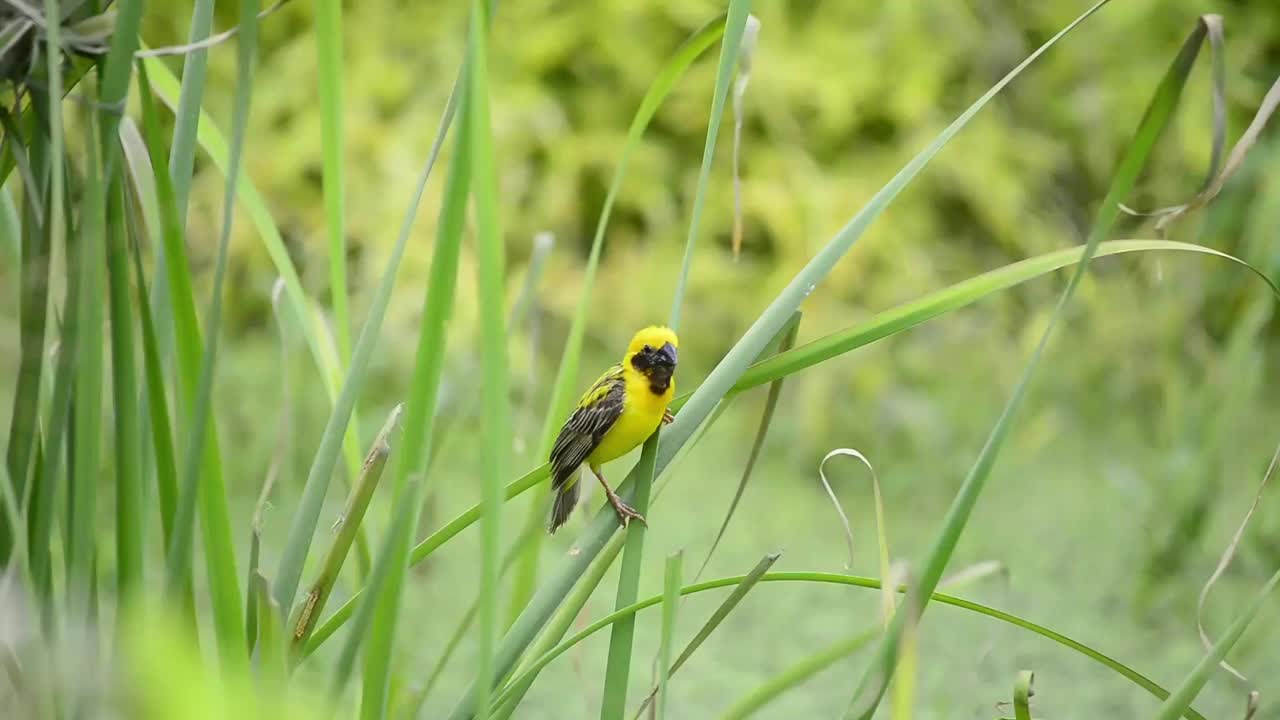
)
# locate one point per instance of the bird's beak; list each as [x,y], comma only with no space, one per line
[668,354]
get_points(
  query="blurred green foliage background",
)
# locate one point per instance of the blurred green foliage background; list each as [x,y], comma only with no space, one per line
[1153,405]
[841,96]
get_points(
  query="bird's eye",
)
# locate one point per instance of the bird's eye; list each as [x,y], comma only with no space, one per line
[647,349]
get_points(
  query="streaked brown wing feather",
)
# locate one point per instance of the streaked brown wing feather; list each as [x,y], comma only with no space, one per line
[600,408]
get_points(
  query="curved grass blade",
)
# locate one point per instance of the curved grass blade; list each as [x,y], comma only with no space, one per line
[1179,703]
[1225,560]
[878,675]
[1022,693]
[565,384]
[1137,678]
[723,377]
[618,667]
[739,591]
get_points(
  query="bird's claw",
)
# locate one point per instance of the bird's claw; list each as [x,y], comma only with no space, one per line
[667,417]
[626,513]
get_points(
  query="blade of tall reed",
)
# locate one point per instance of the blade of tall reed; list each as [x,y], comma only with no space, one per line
[181,162]
[727,373]
[880,326]
[377,613]
[130,524]
[220,560]
[36,237]
[86,442]
[670,605]
[565,385]
[187,117]
[10,228]
[880,672]
[495,405]
[128,435]
[1179,703]
[618,667]
[370,475]
[329,86]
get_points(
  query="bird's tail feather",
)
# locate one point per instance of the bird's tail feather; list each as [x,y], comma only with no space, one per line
[566,499]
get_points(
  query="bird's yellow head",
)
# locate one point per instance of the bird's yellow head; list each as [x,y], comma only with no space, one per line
[652,352]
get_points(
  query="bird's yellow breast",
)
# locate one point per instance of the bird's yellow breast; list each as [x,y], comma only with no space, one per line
[642,412]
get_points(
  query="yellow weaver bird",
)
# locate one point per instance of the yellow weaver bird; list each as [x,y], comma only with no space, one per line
[620,411]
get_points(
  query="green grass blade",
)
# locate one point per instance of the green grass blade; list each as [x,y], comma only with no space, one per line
[617,672]
[1179,703]
[564,388]
[618,667]
[33,300]
[495,406]
[187,117]
[879,674]
[670,604]
[940,302]
[370,475]
[735,25]
[723,377]
[166,468]
[130,523]
[1022,695]
[10,226]
[270,641]
[378,613]
[86,444]
[329,87]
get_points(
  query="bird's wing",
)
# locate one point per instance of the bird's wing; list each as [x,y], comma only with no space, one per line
[597,411]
